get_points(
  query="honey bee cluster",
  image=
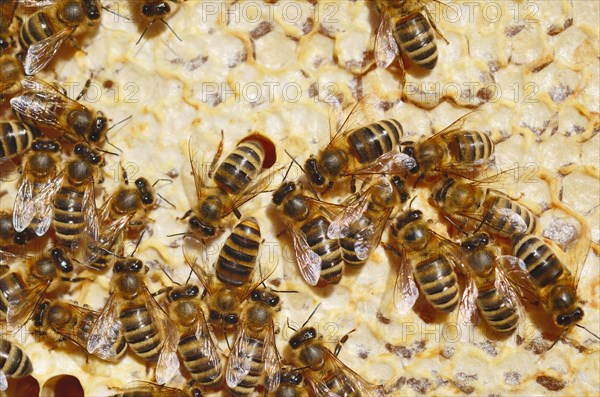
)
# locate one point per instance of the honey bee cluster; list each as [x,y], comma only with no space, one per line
[156,295]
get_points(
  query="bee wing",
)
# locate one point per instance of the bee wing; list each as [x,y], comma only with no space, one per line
[388,163]
[271,360]
[105,239]
[44,206]
[145,388]
[340,226]
[47,106]
[368,238]
[23,210]
[509,291]
[467,306]
[197,169]
[36,3]
[42,52]
[240,359]
[354,118]
[7,258]
[405,288]
[21,307]
[105,330]
[309,263]
[386,48]
[514,271]
[168,362]
[252,190]
[356,384]
[207,347]
[3,381]
[196,257]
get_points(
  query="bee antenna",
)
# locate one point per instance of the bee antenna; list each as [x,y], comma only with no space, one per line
[107,152]
[167,201]
[119,122]
[170,28]
[144,32]
[590,332]
[285,291]
[115,13]
[227,340]
[289,326]
[189,276]
[138,243]
[311,314]
[162,180]
[179,234]
[168,276]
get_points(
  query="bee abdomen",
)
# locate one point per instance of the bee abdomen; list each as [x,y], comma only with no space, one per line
[13,361]
[370,142]
[240,167]
[37,28]
[349,251]
[415,38]
[439,283]
[508,218]
[254,352]
[141,334]
[197,363]
[499,315]
[11,285]
[68,216]
[15,138]
[470,146]
[238,256]
[542,264]
[328,249]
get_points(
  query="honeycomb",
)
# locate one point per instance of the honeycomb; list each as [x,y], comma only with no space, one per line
[529,68]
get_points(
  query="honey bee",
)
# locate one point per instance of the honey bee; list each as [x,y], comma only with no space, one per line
[40,182]
[554,283]
[238,180]
[291,384]
[360,225]
[326,374]
[254,351]
[149,389]
[74,204]
[405,30]
[354,150]
[60,321]
[226,292]
[41,105]
[11,74]
[126,208]
[45,31]
[14,363]
[318,256]
[20,296]
[471,206]
[148,330]
[196,346]
[427,258]
[489,288]
[453,149]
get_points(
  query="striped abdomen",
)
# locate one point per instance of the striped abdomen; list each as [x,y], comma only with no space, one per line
[68,219]
[371,141]
[11,286]
[438,282]
[500,316]
[328,249]
[469,146]
[202,371]
[542,264]
[505,217]
[341,386]
[29,115]
[142,335]
[254,353]
[38,27]
[13,361]
[15,138]
[239,168]
[414,36]
[238,256]
[348,243]
[83,327]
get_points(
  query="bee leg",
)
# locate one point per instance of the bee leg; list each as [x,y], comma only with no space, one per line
[353,184]
[389,247]
[75,44]
[433,25]
[338,346]
[85,89]
[215,160]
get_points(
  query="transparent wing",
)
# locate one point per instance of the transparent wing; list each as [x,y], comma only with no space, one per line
[368,238]
[309,263]
[388,163]
[252,190]
[514,271]
[196,167]
[8,258]
[168,362]
[145,388]
[22,304]
[47,106]
[42,52]
[37,3]
[240,358]
[340,225]
[105,330]
[207,346]
[196,256]
[272,360]
[386,48]
[357,116]
[405,289]
[467,306]
[105,239]
[3,381]
[23,210]
[44,205]
[509,291]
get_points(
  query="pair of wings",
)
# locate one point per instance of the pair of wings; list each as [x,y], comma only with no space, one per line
[233,201]
[29,206]
[106,328]
[357,384]
[368,237]
[240,359]
[23,302]
[144,388]
[196,256]
[47,106]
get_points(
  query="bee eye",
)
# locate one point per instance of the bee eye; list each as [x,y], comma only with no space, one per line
[231,319]
[193,291]
[213,315]
[255,295]
[175,296]
[273,301]
[118,268]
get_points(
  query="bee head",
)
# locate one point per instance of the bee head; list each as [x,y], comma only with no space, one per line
[563,301]
[398,184]
[313,173]
[128,265]
[99,128]
[265,296]
[88,154]
[283,191]
[145,190]
[303,336]
[60,261]
[92,9]
[185,291]
[156,10]
[407,218]
[409,150]
[292,377]
[476,241]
